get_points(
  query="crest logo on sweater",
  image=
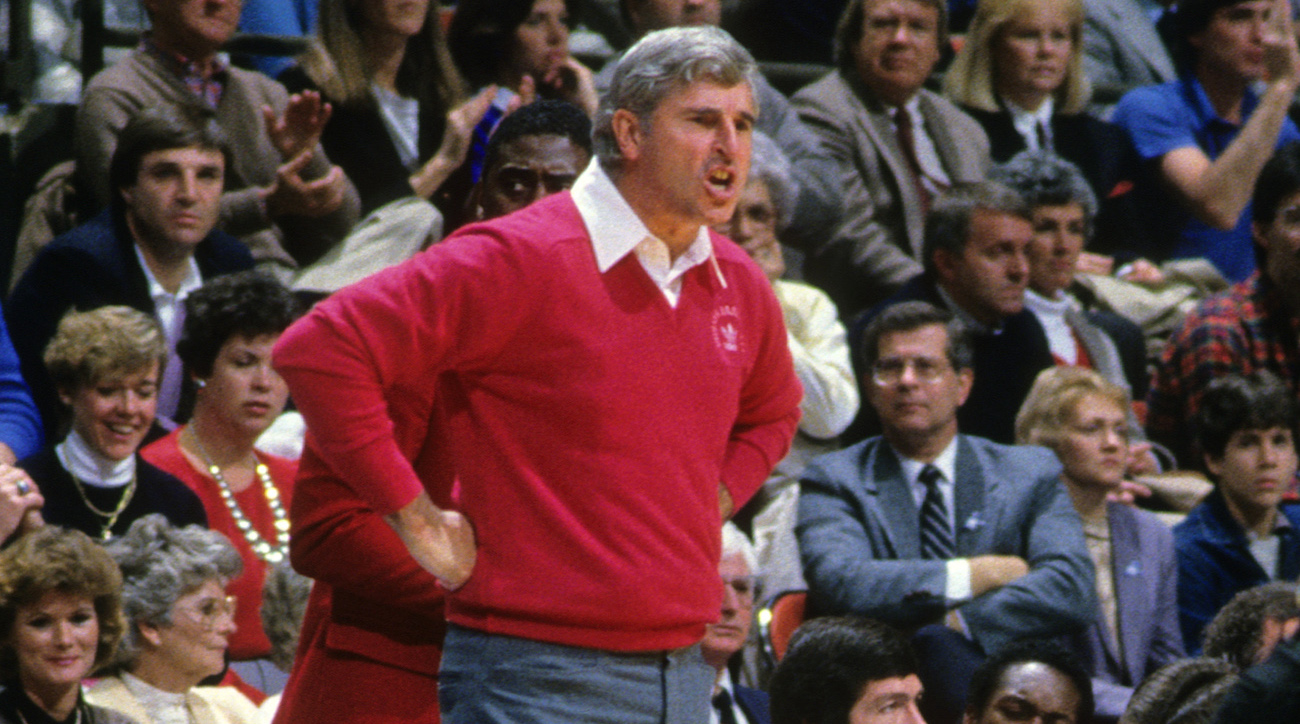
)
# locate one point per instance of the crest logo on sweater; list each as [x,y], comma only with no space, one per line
[726,330]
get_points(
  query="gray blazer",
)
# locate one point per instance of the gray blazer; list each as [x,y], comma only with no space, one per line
[1145,572]
[1122,49]
[877,246]
[859,538]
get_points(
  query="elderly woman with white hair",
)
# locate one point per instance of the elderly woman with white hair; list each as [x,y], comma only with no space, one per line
[820,353]
[179,622]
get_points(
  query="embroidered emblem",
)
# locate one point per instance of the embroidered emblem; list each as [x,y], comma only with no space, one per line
[726,330]
[974,522]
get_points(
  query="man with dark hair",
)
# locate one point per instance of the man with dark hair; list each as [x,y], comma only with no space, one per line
[846,670]
[927,526]
[155,244]
[536,151]
[282,197]
[1253,326]
[1204,137]
[977,239]
[1030,681]
[616,380]
[890,146]
[1241,535]
[1247,630]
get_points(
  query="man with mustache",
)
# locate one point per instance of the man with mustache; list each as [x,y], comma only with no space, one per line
[155,244]
[614,379]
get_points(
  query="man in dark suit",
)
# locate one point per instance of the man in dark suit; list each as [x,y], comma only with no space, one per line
[925,526]
[733,703]
[888,144]
[148,250]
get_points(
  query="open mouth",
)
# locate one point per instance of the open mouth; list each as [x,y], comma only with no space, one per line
[721,180]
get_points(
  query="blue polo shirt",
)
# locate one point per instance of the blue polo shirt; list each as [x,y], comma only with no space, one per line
[1174,115]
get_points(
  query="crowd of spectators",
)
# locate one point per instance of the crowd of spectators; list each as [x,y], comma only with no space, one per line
[522,358]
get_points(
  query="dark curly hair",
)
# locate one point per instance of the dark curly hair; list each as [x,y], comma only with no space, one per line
[249,304]
[1235,632]
[989,675]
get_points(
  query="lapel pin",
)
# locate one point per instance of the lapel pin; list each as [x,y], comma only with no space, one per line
[1134,568]
[974,522]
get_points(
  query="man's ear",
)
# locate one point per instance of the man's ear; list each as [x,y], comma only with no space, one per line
[945,264]
[627,133]
[966,379]
[1214,466]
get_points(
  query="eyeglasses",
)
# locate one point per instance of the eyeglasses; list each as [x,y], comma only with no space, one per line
[742,586]
[891,370]
[209,611]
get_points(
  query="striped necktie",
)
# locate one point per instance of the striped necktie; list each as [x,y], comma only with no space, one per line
[936,531]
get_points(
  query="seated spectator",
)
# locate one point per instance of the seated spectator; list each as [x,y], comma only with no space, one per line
[1248,629]
[179,620]
[282,196]
[401,124]
[818,204]
[842,670]
[1249,328]
[231,323]
[977,241]
[1063,210]
[733,703]
[1020,74]
[927,526]
[20,423]
[536,151]
[1204,137]
[504,42]
[1267,692]
[889,146]
[1241,535]
[1084,419]
[821,361]
[105,365]
[56,580]
[1122,49]
[1185,692]
[155,244]
[1030,681]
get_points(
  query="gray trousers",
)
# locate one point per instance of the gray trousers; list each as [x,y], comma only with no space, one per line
[493,679]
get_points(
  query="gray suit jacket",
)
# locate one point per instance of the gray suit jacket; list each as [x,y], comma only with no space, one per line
[877,246]
[859,538]
[1122,49]
[1145,572]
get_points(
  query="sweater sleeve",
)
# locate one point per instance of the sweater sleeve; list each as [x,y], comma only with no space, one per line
[769,407]
[361,366]
[20,425]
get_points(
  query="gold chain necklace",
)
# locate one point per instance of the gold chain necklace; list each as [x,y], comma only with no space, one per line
[264,550]
[110,516]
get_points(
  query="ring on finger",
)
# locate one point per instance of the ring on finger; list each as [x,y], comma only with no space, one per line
[24,487]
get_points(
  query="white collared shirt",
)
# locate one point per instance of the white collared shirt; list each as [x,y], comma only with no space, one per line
[616,230]
[724,683]
[1027,123]
[957,587]
[927,154]
[169,310]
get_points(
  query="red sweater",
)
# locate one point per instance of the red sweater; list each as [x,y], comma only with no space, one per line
[249,640]
[589,422]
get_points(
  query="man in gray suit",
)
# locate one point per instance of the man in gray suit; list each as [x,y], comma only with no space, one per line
[925,526]
[888,144]
[1122,49]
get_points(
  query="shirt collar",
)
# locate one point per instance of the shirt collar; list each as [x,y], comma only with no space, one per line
[1204,110]
[183,66]
[192,280]
[1026,122]
[946,462]
[973,324]
[614,227]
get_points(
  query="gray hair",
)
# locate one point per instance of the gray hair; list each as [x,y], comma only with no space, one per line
[734,541]
[1045,179]
[284,603]
[769,164]
[160,563]
[661,63]
[948,223]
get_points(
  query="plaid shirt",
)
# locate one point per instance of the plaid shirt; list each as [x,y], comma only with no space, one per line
[1242,330]
[207,81]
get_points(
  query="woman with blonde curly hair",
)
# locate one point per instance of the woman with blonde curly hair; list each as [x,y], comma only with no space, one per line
[105,364]
[1084,419]
[1020,75]
[61,618]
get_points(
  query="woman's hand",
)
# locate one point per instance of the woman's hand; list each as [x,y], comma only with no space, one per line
[455,146]
[20,502]
[299,128]
[573,82]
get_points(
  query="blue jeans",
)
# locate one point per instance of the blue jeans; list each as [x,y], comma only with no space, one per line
[494,679]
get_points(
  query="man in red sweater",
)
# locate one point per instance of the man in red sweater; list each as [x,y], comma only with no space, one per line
[610,380]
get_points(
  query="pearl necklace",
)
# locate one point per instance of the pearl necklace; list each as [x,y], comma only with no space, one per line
[264,550]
